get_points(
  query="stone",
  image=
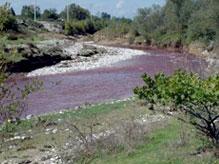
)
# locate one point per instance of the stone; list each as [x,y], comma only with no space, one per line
[47,146]
[28,117]
[54,131]
[25,162]
[45,158]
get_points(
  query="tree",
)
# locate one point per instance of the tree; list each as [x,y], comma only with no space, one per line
[76,12]
[186,92]
[179,22]
[204,22]
[12,11]
[7,20]
[28,12]
[105,16]
[176,19]
[50,14]
[149,21]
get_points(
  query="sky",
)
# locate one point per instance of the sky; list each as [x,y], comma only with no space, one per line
[120,8]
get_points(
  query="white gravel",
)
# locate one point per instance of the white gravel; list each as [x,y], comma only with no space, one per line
[112,56]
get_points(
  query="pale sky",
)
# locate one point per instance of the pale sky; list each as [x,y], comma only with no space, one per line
[119,8]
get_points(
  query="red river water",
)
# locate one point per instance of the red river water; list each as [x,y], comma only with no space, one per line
[66,91]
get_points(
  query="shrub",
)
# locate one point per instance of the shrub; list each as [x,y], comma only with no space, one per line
[7,20]
[50,15]
[82,27]
[187,92]
[75,28]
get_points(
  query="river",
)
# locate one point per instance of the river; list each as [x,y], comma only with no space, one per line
[69,90]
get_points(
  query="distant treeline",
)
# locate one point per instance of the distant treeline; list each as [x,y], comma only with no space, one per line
[178,22]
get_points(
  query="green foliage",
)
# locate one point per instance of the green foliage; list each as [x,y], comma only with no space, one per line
[117,28]
[28,12]
[83,27]
[179,22]
[148,20]
[50,14]
[7,20]
[76,12]
[105,15]
[198,98]
[203,24]
[162,146]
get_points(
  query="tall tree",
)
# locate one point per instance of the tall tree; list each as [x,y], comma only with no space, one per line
[105,16]
[50,14]
[75,12]
[148,21]
[177,14]
[204,22]
[28,11]
[7,20]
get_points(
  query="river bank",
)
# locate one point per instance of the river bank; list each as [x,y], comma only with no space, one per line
[86,56]
[72,89]
[208,53]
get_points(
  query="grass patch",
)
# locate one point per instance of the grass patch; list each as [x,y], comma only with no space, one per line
[81,114]
[37,127]
[163,147]
[166,142]
[18,39]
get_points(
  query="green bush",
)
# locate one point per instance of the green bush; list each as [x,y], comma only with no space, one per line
[50,15]
[75,28]
[186,92]
[7,20]
[83,27]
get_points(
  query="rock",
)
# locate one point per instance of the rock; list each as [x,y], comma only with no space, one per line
[54,131]
[59,120]
[28,117]
[52,123]
[47,133]
[52,27]
[196,48]
[210,46]
[89,51]
[213,61]
[48,129]
[45,158]
[25,162]
[34,57]
[47,146]
[21,138]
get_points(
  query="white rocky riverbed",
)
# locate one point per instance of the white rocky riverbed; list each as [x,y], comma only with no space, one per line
[109,56]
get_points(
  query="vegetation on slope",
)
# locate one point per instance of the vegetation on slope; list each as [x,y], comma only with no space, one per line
[196,98]
[160,141]
[176,24]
